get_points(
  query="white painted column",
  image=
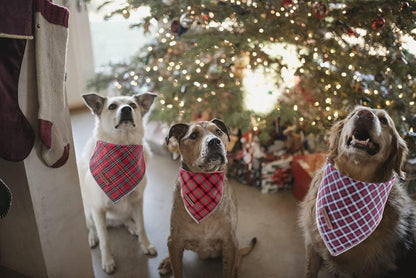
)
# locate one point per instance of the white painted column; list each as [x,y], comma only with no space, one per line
[80,60]
[45,233]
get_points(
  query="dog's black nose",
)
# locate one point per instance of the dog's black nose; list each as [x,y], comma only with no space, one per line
[214,142]
[126,110]
[365,115]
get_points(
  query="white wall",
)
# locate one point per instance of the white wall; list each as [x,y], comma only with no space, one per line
[80,60]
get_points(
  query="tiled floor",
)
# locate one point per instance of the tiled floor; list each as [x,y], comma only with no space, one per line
[270,217]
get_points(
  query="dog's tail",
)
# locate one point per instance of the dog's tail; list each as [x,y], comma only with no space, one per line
[246,250]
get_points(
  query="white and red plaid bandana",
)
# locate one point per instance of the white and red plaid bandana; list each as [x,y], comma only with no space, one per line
[348,211]
[201,192]
[117,169]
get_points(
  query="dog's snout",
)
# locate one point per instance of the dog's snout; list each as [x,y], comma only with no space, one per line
[126,110]
[214,142]
[365,115]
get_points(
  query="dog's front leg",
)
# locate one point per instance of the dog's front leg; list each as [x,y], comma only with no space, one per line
[229,258]
[313,262]
[107,261]
[175,254]
[146,246]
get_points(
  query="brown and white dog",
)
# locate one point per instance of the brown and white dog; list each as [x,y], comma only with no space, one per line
[119,122]
[203,147]
[365,147]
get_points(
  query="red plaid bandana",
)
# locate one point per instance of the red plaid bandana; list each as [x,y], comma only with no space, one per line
[348,211]
[201,192]
[117,169]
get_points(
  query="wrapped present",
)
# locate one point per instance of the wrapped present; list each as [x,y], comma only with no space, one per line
[276,175]
[303,169]
[280,176]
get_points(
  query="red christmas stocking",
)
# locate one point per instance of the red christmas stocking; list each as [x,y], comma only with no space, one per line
[16,134]
[51,34]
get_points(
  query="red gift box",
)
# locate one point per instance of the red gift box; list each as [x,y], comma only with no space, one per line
[303,169]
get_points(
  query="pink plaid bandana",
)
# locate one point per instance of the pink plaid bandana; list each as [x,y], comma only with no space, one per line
[201,192]
[117,169]
[348,211]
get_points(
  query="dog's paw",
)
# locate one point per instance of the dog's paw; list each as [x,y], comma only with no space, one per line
[165,267]
[92,239]
[132,228]
[109,265]
[150,250]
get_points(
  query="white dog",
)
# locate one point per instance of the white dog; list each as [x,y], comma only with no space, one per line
[109,172]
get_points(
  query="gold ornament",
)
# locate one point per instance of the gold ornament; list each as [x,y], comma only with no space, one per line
[240,63]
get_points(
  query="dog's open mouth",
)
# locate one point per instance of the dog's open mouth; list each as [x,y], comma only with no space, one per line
[361,139]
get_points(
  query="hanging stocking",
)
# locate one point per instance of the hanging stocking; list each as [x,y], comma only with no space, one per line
[16,135]
[5,199]
[51,34]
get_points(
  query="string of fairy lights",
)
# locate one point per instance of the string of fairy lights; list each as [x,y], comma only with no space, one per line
[239,32]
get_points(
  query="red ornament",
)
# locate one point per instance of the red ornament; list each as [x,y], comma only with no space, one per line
[174,26]
[404,6]
[345,27]
[378,22]
[287,2]
[320,10]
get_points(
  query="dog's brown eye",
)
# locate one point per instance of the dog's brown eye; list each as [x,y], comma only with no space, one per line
[133,105]
[194,135]
[382,120]
[112,106]
[218,131]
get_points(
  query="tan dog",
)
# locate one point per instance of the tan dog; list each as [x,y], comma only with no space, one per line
[203,149]
[119,121]
[366,147]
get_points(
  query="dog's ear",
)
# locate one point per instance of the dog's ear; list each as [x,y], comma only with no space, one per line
[398,155]
[223,127]
[145,101]
[94,102]
[178,131]
[334,136]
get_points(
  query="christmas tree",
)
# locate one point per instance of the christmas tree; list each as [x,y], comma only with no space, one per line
[248,62]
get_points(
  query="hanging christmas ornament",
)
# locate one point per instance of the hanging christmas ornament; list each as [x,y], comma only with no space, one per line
[400,60]
[146,62]
[126,13]
[174,26]
[320,10]
[365,100]
[240,63]
[183,89]
[214,71]
[168,2]
[379,77]
[178,49]
[287,2]
[357,87]
[378,22]
[146,27]
[345,27]
[186,20]
[405,6]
